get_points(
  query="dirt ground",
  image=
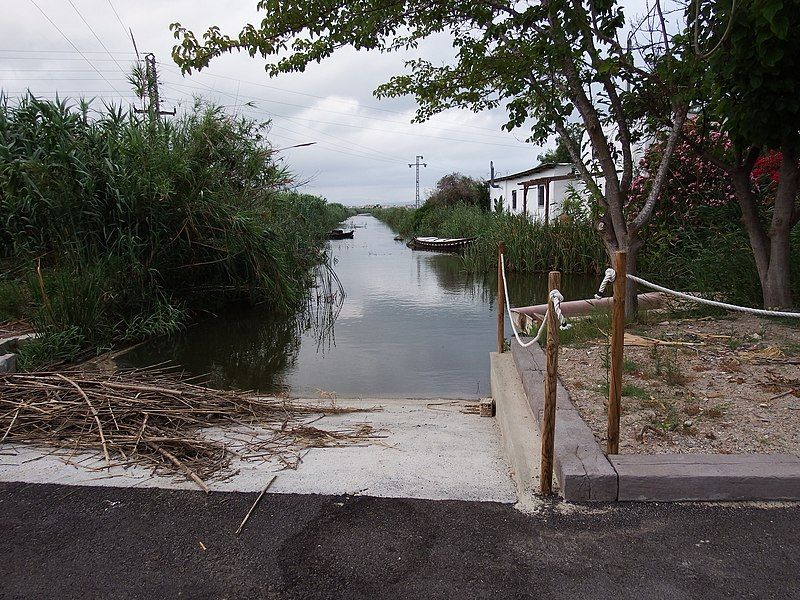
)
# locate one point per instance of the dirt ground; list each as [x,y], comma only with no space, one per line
[723,385]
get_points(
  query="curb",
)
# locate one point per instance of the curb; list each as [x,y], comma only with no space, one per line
[8,347]
[676,477]
[586,474]
[582,470]
[519,430]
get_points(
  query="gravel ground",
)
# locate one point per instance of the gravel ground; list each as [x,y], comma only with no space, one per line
[735,389]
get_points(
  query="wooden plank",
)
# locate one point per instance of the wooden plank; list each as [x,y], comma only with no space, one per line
[550,388]
[681,477]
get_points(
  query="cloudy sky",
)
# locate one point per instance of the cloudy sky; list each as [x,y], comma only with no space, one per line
[363,145]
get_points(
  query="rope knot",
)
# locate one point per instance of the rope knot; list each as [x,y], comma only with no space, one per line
[558,298]
[609,277]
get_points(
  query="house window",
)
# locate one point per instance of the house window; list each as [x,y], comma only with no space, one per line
[513,199]
[541,195]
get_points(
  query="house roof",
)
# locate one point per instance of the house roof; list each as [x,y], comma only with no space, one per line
[533,171]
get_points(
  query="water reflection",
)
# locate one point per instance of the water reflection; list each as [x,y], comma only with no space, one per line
[411,324]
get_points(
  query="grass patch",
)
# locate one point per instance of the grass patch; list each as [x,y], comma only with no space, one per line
[667,417]
[594,326]
[664,363]
[12,300]
[634,391]
[630,366]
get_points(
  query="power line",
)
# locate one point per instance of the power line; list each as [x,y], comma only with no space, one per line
[56,70]
[370,151]
[468,141]
[428,127]
[76,51]
[276,88]
[97,37]
[279,89]
[34,80]
[116,14]
[350,147]
[64,35]
[52,59]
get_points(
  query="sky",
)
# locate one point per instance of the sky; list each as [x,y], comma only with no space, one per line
[363,145]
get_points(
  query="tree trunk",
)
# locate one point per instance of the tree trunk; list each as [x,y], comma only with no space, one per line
[776,286]
[771,250]
[632,245]
[631,289]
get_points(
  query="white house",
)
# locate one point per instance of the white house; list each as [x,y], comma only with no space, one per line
[537,192]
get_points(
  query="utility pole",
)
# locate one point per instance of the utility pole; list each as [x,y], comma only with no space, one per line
[417,164]
[151,85]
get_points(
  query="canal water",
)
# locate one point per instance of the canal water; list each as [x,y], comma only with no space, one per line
[411,324]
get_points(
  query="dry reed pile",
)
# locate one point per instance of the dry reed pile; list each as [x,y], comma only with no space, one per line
[160,418]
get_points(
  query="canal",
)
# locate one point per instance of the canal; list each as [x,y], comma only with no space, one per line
[411,324]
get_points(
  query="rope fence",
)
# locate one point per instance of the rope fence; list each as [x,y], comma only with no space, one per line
[555,295]
[611,276]
[554,320]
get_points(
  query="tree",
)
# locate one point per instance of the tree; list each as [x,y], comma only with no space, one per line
[456,188]
[750,78]
[548,61]
[560,154]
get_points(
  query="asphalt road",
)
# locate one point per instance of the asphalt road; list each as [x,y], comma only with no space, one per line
[80,542]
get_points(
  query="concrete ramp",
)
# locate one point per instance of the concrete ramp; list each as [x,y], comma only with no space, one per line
[431,450]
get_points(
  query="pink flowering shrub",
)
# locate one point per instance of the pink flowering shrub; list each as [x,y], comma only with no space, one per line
[696,237]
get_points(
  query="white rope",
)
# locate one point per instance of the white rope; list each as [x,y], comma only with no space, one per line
[725,305]
[610,277]
[557,299]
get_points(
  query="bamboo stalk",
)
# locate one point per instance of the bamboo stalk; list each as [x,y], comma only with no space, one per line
[96,417]
[550,387]
[173,459]
[617,350]
[252,508]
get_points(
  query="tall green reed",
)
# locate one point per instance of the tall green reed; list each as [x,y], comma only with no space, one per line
[139,225]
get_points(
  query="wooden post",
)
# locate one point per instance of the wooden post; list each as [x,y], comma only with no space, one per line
[501,301]
[617,350]
[550,386]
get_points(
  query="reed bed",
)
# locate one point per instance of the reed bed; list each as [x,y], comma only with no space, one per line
[571,246]
[162,419]
[117,228]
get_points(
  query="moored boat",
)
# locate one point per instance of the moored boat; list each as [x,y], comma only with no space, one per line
[340,234]
[440,244]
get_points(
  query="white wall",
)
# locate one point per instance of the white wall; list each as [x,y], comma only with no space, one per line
[557,191]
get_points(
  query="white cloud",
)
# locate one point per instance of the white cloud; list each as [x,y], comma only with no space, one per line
[363,144]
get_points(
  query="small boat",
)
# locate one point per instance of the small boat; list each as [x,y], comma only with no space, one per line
[341,234]
[399,238]
[440,244]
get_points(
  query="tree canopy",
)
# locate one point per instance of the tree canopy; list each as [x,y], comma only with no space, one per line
[743,61]
[457,188]
[560,154]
